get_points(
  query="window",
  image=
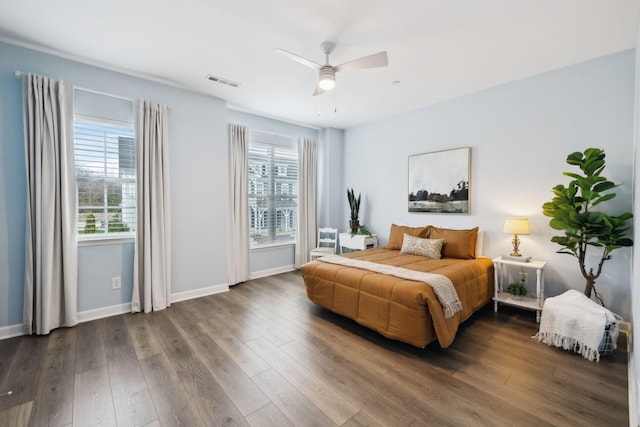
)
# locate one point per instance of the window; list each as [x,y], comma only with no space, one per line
[273,193]
[105,176]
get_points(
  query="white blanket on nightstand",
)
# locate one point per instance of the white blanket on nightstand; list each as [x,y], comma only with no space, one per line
[574,322]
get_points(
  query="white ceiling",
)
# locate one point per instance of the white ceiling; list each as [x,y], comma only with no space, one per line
[438,49]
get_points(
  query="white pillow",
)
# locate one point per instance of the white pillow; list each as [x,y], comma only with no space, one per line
[431,248]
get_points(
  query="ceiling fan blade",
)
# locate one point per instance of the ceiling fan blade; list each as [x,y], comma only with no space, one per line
[319,90]
[298,58]
[379,59]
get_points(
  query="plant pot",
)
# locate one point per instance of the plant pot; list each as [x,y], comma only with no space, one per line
[516,297]
[353,225]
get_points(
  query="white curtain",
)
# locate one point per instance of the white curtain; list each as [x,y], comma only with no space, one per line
[238,206]
[307,200]
[152,259]
[51,253]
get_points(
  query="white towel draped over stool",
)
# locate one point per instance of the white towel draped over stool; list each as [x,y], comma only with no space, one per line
[574,322]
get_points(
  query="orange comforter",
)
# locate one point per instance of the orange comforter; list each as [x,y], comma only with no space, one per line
[397,308]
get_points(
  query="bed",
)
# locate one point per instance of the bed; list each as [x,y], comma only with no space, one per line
[397,290]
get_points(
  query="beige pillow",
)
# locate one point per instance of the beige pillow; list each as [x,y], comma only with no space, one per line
[397,232]
[457,243]
[431,248]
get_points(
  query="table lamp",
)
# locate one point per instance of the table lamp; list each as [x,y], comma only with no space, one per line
[516,226]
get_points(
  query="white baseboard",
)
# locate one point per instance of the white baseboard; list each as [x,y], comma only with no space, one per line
[114,310]
[633,390]
[632,381]
[202,292]
[11,331]
[271,271]
[101,313]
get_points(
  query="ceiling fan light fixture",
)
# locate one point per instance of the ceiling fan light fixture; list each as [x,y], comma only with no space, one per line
[327,79]
[327,72]
[327,84]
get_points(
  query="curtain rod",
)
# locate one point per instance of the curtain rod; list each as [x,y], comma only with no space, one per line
[272,133]
[19,74]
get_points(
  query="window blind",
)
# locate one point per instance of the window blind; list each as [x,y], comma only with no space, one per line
[105,175]
[273,193]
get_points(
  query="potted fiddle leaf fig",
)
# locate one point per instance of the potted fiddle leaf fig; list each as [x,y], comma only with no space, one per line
[585,229]
[354,205]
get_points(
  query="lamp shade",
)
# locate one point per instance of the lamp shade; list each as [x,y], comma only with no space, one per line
[516,226]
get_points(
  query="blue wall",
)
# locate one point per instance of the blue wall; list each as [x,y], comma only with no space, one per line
[12,196]
[198,168]
[269,260]
[520,135]
[198,181]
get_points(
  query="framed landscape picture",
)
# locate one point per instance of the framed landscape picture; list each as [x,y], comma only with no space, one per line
[439,181]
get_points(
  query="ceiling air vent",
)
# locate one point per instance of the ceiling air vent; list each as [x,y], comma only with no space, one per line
[222,81]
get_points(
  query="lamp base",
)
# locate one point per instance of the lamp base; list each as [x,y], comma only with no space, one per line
[516,244]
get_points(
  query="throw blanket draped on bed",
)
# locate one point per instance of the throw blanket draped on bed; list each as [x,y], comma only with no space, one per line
[574,322]
[441,285]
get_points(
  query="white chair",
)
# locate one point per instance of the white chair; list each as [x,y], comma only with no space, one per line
[327,242]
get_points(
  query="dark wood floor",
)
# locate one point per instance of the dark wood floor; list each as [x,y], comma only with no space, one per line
[263,355]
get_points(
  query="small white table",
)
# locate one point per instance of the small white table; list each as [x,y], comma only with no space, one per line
[501,296]
[357,242]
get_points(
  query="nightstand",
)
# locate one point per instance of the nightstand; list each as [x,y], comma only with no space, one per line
[357,241]
[501,267]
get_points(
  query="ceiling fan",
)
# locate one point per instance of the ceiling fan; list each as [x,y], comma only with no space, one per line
[327,72]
